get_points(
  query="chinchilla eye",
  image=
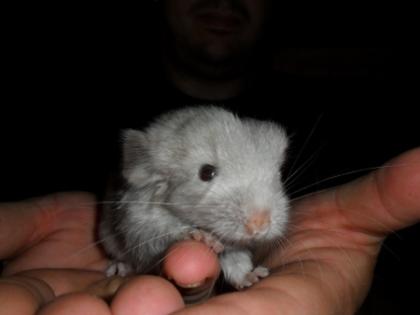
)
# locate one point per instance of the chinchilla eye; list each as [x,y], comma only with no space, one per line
[207,172]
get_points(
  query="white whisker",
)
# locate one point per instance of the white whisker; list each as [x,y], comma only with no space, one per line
[358,171]
[161,236]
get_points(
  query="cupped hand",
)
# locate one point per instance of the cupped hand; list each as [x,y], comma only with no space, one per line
[53,260]
[327,264]
[324,267]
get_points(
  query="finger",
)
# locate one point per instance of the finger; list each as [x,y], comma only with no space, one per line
[293,290]
[74,304]
[27,291]
[377,204]
[62,281]
[24,223]
[266,299]
[399,189]
[194,268]
[23,295]
[190,263]
[106,288]
[386,200]
[20,226]
[147,295]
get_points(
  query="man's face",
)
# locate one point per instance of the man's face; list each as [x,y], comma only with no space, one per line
[215,33]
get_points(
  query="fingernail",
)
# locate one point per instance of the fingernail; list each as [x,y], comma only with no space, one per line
[107,287]
[196,292]
[191,285]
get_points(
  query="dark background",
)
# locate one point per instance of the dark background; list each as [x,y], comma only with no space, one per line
[76,75]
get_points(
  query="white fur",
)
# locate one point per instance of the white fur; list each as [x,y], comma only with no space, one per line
[161,166]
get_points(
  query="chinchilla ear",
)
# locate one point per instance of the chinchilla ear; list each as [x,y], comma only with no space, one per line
[136,159]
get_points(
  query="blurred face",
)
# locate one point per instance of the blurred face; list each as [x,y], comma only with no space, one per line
[214,37]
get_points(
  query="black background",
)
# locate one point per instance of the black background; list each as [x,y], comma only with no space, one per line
[76,75]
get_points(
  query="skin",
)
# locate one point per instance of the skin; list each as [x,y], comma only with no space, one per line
[206,58]
[325,269]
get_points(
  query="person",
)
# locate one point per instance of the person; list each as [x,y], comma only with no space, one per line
[210,48]
[325,267]
[209,53]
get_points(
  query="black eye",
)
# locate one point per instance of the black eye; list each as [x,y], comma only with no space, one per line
[207,172]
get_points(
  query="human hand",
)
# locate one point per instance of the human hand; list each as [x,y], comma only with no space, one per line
[327,265]
[54,261]
[325,269]
[39,237]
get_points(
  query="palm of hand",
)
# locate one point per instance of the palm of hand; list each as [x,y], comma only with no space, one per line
[327,263]
[325,268]
[58,232]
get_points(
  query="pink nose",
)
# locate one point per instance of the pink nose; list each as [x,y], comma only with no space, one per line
[257,221]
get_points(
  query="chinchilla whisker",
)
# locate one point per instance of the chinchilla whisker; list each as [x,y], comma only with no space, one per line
[358,171]
[160,203]
[149,240]
[292,178]
[303,147]
[387,248]
[367,217]
[86,248]
[172,188]
[159,261]
[299,261]
[91,204]
[292,200]
[286,243]
[94,244]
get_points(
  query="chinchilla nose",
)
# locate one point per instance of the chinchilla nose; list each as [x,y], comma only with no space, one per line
[257,221]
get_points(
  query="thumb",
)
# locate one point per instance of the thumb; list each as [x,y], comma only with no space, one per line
[20,225]
[386,200]
[194,268]
[24,223]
